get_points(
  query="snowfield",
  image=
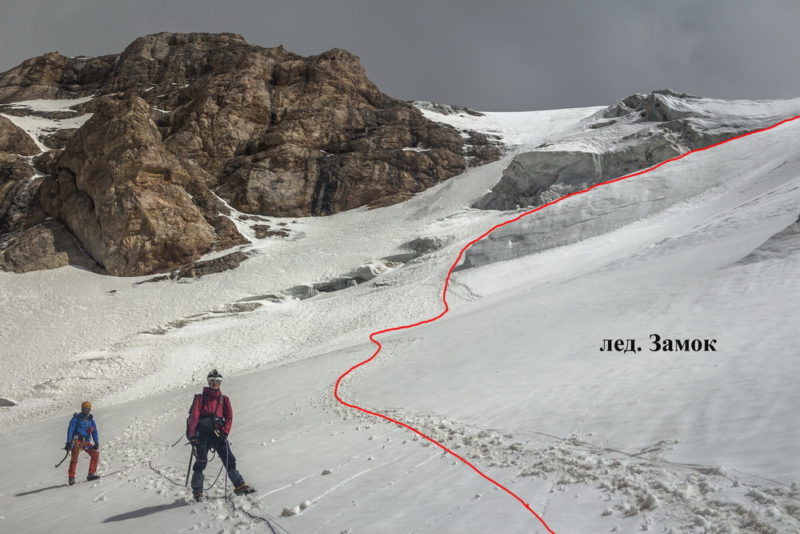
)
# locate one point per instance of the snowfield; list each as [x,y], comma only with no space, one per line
[513,378]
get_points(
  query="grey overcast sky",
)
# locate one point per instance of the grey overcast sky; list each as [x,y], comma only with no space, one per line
[494,55]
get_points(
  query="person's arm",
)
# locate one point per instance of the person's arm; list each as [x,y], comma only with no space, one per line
[227,413]
[95,436]
[71,429]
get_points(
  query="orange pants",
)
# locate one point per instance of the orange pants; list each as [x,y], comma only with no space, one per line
[94,456]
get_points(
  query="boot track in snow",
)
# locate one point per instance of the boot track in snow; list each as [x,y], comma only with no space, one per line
[447,309]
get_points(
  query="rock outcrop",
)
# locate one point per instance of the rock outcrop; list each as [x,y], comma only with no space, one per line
[124,195]
[46,245]
[17,190]
[14,168]
[198,117]
[54,76]
[59,138]
[14,140]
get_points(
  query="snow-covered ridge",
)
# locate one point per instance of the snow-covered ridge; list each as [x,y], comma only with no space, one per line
[644,130]
[669,105]
[639,117]
[516,130]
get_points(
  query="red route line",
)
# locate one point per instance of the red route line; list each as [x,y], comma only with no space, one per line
[447,309]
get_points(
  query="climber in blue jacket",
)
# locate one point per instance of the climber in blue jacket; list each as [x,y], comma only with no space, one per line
[82,435]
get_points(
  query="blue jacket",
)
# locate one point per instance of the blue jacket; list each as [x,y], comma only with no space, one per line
[84,427]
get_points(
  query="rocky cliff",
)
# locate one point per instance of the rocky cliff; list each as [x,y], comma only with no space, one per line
[188,121]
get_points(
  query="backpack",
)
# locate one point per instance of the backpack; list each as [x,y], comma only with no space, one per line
[189,417]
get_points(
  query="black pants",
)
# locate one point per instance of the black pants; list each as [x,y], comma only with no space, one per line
[222,447]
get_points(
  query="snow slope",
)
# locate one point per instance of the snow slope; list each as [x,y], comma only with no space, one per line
[512,378]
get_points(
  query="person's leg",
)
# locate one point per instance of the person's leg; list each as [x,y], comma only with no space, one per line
[229,461]
[200,461]
[94,458]
[73,461]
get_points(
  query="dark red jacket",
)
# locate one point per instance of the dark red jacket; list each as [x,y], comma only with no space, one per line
[212,403]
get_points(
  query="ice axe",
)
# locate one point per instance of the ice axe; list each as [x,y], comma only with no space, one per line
[189,469]
[64,458]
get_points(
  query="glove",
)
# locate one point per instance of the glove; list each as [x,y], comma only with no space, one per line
[195,440]
[68,446]
[221,434]
[95,446]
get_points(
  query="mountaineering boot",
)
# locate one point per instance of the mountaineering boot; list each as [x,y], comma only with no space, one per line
[198,496]
[92,476]
[71,481]
[243,489]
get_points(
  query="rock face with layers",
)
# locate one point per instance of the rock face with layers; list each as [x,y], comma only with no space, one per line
[125,196]
[53,76]
[286,135]
[194,117]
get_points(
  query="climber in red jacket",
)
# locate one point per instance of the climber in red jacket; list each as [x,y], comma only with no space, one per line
[210,420]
